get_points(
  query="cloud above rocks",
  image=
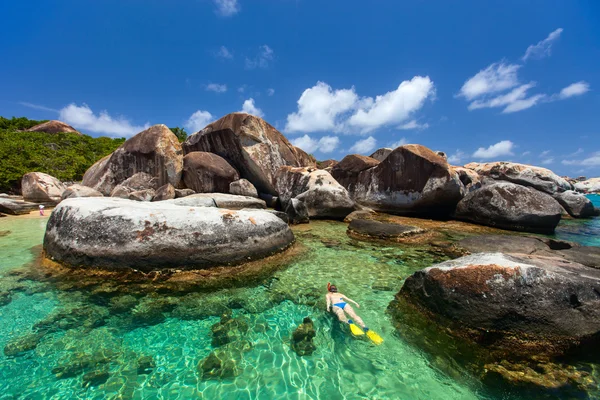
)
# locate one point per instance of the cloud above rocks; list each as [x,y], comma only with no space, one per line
[591,161]
[457,157]
[84,119]
[326,144]
[322,108]
[217,88]
[250,108]
[364,146]
[198,121]
[503,148]
[227,8]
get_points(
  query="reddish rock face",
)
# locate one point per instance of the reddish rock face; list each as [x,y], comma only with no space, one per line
[346,171]
[53,127]
[155,151]
[412,179]
[255,148]
[326,164]
[208,173]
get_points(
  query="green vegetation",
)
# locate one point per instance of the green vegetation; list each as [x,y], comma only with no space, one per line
[65,156]
[180,133]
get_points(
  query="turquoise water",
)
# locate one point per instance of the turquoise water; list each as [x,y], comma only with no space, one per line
[62,341]
[585,232]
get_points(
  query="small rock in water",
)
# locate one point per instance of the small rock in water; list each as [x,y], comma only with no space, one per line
[228,329]
[96,377]
[145,365]
[223,362]
[381,230]
[22,344]
[302,338]
[5,298]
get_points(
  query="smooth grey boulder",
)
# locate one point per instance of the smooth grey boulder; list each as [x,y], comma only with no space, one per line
[16,207]
[183,193]
[41,188]
[142,195]
[576,204]
[220,200]
[208,173]
[243,187]
[165,192]
[296,211]
[142,184]
[80,191]
[381,154]
[506,205]
[118,233]
[523,305]
[322,195]
[591,185]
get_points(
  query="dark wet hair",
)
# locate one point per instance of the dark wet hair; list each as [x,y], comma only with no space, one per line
[331,288]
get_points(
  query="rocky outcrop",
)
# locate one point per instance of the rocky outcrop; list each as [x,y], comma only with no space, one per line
[296,212]
[183,193]
[252,146]
[346,171]
[469,178]
[80,191]
[42,188]
[508,206]
[208,173]
[220,200]
[316,188]
[381,154]
[16,206]
[140,187]
[243,187]
[538,178]
[155,151]
[514,306]
[381,230]
[576,204]
[326,164]
[411,180]
[165,192]
[116,233]
[53,127]
[591,185]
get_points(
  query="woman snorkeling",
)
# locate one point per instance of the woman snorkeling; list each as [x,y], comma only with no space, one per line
[339,304]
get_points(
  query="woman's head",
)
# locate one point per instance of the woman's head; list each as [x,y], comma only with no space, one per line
[331,288]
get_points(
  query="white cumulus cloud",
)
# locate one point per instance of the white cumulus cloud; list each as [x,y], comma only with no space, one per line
[217,88]
[262,59]
[224,53]
[591,161]
[84,119]
[326,144]
[515,100]
[198,121]
[503,148]
[250,108]
[575,89]
[457,157]
[543,48]
[364,146]
[497,77]
[227,8]
[398,143]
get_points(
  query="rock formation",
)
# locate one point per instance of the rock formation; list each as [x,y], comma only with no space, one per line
[80,191]
[53,127]
[41,188]
[208,173]
[381,154]
[165,192]
[576,204]
[591,185]
[243,187]
[346,171]
[16,206]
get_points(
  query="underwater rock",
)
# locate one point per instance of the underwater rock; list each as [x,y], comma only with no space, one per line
[5,298]
[208,173]
[165,192]
[513,306]
[155,151]
[117,233]
[79,363]
[412,179]
[223,362]
[538,178]
[243,187]
[302,338]
[122,304]
[80,191]
[145,365]
[296,211]
[576,204]
[381,230]
[323,196]
[196,306]
[96,377]
[23,344]
[252,146]
[506,205]
[228,329]
[78,316]
[151,310]
[41,188]
[360,214]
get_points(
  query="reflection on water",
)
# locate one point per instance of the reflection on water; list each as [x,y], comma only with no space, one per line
[102,344]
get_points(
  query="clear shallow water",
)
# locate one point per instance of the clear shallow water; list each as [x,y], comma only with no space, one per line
[66,335]
[585,232]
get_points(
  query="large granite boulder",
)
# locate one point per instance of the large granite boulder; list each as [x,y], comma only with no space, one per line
[316,188]
[42,188]
[469,178]
[243,187]
[256,149]
[346,171]
[506,205]
[514,306]
[208,173]
[220,200]
[591,185]
[16,206]
[525,175]
[117,233]
[165,192]
[412,179]
[53,127]
[326,164]
[155,151]
[382,153]
[576,204]
[80,191]
[141,187]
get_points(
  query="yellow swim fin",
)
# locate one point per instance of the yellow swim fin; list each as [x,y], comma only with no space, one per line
[375,338]
[355,329]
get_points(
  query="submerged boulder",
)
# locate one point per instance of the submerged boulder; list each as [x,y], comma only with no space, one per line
[42,188]
[252,146]
[155,151]
[539,178]
[116,233]
[80,191]
[316,188]
[302,338]
[53,127]
[576,204]
[208,173]
[412,179]
[381,230]
[506,205]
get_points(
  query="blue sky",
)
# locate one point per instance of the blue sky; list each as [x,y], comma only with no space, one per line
[482,81]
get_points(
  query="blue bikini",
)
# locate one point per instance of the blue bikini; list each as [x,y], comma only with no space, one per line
[341,304]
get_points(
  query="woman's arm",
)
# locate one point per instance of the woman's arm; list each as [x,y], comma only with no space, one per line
[351,301]
[328,303]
